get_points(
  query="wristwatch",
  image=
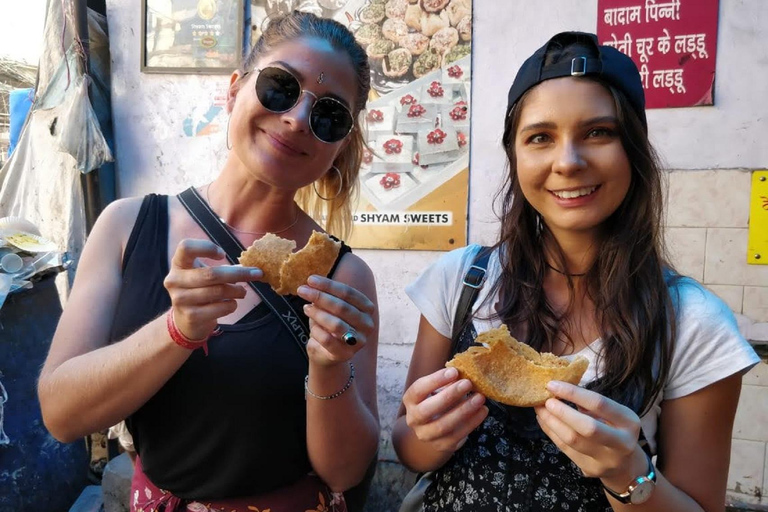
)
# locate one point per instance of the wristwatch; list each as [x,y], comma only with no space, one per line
[639,490]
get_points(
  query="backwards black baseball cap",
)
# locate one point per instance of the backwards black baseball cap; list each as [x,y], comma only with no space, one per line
[610,65]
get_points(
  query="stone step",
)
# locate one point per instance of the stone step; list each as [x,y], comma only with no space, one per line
[116,484]
[90,500]
[734,504]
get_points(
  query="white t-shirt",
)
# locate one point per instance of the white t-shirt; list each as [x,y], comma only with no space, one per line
[708,348]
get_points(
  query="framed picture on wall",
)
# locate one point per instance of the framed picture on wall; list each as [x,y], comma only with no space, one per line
[191,36]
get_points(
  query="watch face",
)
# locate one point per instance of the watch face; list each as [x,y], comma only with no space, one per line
[642,491]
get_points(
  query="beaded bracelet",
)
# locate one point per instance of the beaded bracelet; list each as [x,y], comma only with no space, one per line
[337,394]
[180,339]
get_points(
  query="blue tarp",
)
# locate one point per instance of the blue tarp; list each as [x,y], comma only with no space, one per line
[20,101]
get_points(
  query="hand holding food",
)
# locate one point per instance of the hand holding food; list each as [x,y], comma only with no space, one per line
[200,294]
[599,435]
[341,320]
[442,410]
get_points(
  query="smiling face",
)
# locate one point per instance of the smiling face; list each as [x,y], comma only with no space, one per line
[280,148]
[571,164]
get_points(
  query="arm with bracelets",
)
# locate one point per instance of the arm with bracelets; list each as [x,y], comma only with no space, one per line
[342,415]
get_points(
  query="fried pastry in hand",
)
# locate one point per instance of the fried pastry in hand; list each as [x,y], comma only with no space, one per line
[268,253]
[285,270]
[513,373]
[317,257]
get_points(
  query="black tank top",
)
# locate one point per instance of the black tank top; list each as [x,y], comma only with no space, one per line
[226,425]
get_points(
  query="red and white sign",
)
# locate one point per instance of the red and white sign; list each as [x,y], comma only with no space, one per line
[672,42]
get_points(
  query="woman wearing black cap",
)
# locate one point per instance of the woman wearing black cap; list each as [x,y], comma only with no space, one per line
[579,270]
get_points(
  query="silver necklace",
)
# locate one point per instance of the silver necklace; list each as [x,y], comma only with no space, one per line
[255,233]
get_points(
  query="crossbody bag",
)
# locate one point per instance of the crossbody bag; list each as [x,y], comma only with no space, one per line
[472,283]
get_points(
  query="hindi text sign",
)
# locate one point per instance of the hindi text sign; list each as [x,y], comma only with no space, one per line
[672,42]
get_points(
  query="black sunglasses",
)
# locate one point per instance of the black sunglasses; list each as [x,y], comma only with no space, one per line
[279,91]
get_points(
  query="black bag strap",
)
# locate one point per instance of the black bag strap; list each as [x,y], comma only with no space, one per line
[221,236]
[473,281]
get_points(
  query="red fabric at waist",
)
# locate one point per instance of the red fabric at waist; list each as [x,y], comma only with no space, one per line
[308,494]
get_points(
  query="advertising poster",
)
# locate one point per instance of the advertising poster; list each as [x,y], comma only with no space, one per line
[672,42]
[414,180]
[191,36]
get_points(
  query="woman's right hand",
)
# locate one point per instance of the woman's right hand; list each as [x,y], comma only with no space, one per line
[200,294]
[442,410]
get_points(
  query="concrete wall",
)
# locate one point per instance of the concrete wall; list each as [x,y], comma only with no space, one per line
[710,150]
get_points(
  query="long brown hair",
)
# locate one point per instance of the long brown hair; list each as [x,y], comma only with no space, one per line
[629,281]
[341,188]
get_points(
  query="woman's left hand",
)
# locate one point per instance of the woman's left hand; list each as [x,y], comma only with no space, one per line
[335,309]
[601,436]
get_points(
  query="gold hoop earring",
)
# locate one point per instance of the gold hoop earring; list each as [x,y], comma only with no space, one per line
[228,144]
[341,182]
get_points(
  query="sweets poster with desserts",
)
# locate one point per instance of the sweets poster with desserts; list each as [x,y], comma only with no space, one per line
[414,180]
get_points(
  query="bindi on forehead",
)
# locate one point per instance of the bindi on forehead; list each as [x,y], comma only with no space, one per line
[316,62]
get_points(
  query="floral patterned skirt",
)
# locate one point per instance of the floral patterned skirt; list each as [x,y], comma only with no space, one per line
[309,494]
[497,471]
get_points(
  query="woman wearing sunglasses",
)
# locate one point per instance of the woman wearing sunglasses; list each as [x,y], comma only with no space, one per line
[246,421]
[579,269]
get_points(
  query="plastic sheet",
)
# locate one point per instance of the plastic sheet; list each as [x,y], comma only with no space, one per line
[40,181]
[38,473]
[78,132]
[20,102]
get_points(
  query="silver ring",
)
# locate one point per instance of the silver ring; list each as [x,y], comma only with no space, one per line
[349,338]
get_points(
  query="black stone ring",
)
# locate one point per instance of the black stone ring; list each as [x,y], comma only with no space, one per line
[349,338]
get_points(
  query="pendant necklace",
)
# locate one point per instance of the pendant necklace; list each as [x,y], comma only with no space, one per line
[254,233]
[563,273]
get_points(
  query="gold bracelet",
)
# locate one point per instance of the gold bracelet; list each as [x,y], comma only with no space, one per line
[337,394]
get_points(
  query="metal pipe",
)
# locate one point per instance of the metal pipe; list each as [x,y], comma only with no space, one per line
[89,181]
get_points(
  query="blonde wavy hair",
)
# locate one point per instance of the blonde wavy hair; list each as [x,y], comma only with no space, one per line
[341,188]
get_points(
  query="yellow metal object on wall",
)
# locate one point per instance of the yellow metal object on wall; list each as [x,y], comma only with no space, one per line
[757,246]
